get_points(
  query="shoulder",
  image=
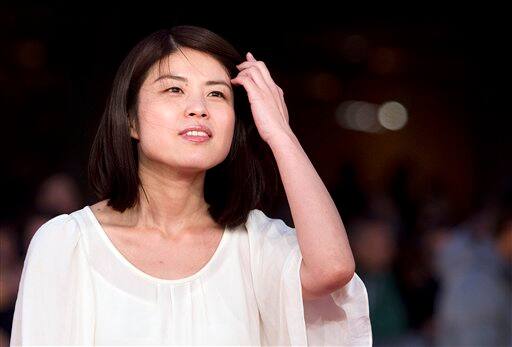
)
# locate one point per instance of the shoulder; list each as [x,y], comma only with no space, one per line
[55,236]
[260,222]
[268,234]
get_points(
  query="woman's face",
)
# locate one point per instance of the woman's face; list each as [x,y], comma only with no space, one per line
[187,89]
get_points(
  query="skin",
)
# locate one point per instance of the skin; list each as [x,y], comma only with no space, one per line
[327,263]
[504,243]
[172,170]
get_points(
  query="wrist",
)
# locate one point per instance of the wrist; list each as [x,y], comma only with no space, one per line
[282,139]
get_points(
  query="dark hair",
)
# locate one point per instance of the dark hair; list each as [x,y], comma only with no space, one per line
[232,188]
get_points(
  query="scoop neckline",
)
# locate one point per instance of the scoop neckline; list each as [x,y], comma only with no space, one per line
[133,268]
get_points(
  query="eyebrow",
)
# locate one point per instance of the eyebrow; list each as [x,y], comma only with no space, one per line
[183,79]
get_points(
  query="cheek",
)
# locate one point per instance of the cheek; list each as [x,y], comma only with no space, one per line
[227,130]
[155,129]
[159,127]
[229,121]
[156,120]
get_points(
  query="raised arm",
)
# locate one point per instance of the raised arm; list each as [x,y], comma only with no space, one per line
[328,263]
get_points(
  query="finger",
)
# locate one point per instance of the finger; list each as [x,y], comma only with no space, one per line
[246,80]
[257,76]
[264,80]
[266,74]
[253,91]
[264,71]
[261,65]
[250,57]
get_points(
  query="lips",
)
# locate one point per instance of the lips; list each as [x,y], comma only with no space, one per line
[197,128]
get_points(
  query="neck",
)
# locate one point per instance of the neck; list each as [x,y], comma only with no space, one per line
[171,202]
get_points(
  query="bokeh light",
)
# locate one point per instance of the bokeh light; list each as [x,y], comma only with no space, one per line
[392,115]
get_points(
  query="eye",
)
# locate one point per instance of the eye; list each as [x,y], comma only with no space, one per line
[173,89]
[219,93]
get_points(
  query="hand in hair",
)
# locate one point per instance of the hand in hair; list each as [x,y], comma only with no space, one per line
[266,98]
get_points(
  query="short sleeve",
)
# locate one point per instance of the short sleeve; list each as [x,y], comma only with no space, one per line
[339,319]
[54,305]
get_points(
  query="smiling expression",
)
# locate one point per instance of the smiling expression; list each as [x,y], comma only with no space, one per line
[188,88]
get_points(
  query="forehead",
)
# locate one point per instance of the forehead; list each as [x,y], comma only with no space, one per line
[190,63]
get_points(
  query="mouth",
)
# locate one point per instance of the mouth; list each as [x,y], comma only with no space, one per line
[195,138]
[198,130]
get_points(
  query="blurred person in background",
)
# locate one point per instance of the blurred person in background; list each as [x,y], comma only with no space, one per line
[10,272]
[473,262]
[374,243]
[58,193]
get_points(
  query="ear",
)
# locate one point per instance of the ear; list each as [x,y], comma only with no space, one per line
[133,131]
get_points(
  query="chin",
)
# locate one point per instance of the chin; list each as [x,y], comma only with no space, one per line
[200,164]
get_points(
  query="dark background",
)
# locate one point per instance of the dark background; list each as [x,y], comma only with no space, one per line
[447,65]
[57,64]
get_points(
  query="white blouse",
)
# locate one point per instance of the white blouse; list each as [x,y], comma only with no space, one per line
[77,288]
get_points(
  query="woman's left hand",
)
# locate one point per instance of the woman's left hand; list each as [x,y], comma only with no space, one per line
[266,98]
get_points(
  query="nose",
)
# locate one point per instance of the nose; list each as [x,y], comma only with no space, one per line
[197,107]
[193,114]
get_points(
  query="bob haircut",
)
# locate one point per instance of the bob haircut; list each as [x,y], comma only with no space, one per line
[239,184]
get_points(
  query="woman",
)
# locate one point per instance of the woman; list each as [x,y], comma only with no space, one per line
[176,250]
